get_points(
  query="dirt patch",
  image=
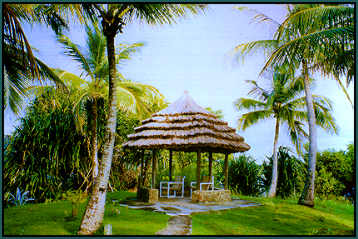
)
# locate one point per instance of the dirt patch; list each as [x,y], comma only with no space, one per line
[177,225]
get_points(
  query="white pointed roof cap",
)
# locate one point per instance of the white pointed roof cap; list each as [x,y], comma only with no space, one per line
[185,104]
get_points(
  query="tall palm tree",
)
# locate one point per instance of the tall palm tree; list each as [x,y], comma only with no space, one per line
[93,82]
[113,18]
[311,46]
[284,103]
[309,39]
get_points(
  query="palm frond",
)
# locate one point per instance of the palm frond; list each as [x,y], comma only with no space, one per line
[315,16]
[251,118]
[161,13]
[249,104]
[297,48]
[73,50]
[243,50]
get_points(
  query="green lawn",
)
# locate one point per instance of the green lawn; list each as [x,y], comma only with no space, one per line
[55,219]
[275,217]
[278,217]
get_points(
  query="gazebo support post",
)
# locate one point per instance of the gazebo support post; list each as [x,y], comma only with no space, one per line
[154,167]
[226,171]
[141,178]
[210,164]
[198,167]
[141,169]
[170,164]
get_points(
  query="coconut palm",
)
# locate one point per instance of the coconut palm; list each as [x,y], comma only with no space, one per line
[306,40]
[93,82]
[113,18]
[284,103]
[21,67]
[311,46]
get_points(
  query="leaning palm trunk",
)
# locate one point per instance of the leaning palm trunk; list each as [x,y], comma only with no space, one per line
[93,216]
[94,145]
[307,197]
[273,186]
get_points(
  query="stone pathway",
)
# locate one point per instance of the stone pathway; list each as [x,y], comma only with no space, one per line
[177,225]
[180,210]
[180,207]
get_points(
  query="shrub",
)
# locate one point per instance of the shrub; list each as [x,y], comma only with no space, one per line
[245,175]
[291,173]
[20,198]
[335,173]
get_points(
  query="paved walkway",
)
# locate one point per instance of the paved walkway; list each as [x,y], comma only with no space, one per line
[180,210]
[177,225]
[184,206]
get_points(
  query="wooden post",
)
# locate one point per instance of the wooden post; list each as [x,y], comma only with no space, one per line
[140,181]
[226,171]
[170,164]
[198,165]
[210,164]
[154,167]
[141,177]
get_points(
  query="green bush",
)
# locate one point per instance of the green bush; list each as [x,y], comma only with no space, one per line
[335,173]
[46,155]
[291,173]
[245,175]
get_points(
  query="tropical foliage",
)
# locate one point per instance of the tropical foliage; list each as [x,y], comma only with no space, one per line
[284,103]
[312,37]
[291,173]
[114,18]
[335,173]
[21,67]
[245,176]
[93,83]
[46,155]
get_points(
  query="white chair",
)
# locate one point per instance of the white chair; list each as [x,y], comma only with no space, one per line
[177,185]
[207,184]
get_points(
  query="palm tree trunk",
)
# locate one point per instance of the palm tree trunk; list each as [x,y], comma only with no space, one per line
[274,177]
[307,197]
[93,216]
[94,141]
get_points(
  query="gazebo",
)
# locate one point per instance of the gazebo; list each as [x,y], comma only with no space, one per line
[185,126]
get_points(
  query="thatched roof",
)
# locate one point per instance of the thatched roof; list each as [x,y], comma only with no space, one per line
[186,126]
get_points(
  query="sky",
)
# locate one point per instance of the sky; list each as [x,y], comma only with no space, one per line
[196,55]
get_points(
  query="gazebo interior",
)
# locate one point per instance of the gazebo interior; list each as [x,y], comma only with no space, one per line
[185,126]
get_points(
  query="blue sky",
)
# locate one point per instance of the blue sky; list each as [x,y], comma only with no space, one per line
[196,55]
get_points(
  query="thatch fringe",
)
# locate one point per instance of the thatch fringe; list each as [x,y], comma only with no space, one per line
[184,126]
[189,113]
[185,133]
[196,142]
[182,119]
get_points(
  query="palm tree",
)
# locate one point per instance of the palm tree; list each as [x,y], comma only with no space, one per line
[311,46]
[284,103]
[21,67]
[309,40]
[113,18]
[92,84]
[331,30]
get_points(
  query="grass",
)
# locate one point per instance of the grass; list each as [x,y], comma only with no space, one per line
[274,217]
[278,217]
[56,218]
